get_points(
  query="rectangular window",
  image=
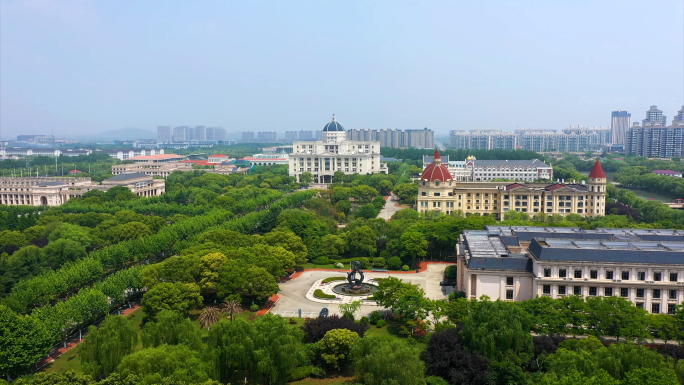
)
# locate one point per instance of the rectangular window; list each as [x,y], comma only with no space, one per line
[655,308]
[673,294]
[641,275]
[625,275]
[546,289]
[658,276]
[656,293]
[509,281]
[624,292]
[592,290]
[673,277]
[593,274]
[562,273]
[608,292]
[640,293]
[640,305]
[609,275]
[509,294]
[671,309]
[561,290]
[578,273]
[577,290]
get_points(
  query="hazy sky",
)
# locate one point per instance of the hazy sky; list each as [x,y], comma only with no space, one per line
[87,66]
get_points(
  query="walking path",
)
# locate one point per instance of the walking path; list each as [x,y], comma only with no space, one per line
[391,207]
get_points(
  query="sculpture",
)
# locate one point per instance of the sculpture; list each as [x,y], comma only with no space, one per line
[355,283]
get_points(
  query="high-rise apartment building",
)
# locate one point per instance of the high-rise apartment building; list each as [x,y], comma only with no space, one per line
[267,137]
[395,138]
[654,117]
[248,137]
[180,134]
[306,135]
[573,139]
[679,118]
[220,133]
[291,136]
[619,124]
[164,134]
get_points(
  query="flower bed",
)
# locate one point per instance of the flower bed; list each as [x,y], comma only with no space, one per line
[318,293]
[330,279]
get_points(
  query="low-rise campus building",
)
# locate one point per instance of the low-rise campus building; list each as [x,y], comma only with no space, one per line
[437,191]
[513,263]
[163,165]
[473,170]
[49,191]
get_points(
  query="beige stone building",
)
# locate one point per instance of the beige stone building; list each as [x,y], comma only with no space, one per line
[56,191]
[437,191]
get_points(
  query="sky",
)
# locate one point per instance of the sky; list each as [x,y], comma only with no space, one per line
[81,67]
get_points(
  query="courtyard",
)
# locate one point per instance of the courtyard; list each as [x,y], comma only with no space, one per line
[293,293]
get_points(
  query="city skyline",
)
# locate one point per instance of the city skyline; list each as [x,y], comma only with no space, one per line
[284,67]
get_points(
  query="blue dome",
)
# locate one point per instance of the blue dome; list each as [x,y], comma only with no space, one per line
[333,126]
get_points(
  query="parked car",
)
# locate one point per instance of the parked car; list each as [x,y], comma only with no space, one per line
[447,283]
[324,312]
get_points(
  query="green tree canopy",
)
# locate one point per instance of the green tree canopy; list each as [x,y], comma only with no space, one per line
[173,362]
[103,348]
[179,297]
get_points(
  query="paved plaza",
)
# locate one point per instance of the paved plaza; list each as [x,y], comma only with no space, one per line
[293,293]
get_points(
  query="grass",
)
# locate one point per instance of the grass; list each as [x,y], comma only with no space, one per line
[331,279]
[318,293]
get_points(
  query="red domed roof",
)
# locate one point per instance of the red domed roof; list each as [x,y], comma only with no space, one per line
[597,171]
[436,171]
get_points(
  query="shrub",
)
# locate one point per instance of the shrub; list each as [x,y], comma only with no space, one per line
[364,262]
[315,329]
[375,317]
[364,320]
[394,263]
[450,272]
[293,320]
[330,279]
[322,261]
[301,373]
[455,295]
[380,323]
[318,372]
[318,293]
[339,265]
[298,268]
[254,307]
[379,262]
[404,268]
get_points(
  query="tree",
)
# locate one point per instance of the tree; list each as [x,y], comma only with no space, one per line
[173,362]
[360,241]
[238,277]
[210,265]
[62,251]
[363,193]
[385,187]
[316,328]
[548,315]
[381,361]
[446,357]
[367,211]
[413,246]
[172,328]
[306,178]
[615,316]
[179,297]
[209,316]
[72,232]
[392,289]
[55,378]
[499,330]
[232,307]
[407,192]
[289,241]
[130,230]
[349,309]
[103,348]
[23,342]
[336,346]
[263,351]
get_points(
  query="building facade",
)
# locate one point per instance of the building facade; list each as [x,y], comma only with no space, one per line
[335,153]
[438,192]
[644,266]
[395,138]
[654,117]
[268,159]
[656,141]
[57,191]
[473,170]
[619,125]
[573,139]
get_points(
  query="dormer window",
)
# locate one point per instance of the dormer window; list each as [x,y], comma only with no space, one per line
[436,183]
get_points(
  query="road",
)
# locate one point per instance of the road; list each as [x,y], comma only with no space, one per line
[390,208]
[292,294]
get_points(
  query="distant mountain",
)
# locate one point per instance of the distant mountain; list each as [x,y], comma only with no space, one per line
[128,133]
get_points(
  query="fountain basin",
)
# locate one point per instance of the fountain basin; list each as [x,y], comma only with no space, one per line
[364,289]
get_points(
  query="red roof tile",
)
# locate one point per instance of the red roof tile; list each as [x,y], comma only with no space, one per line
[597,171]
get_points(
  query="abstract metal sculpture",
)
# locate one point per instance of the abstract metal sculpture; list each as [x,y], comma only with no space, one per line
[355,283]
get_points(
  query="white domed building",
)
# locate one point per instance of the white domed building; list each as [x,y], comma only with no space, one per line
[333,153]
